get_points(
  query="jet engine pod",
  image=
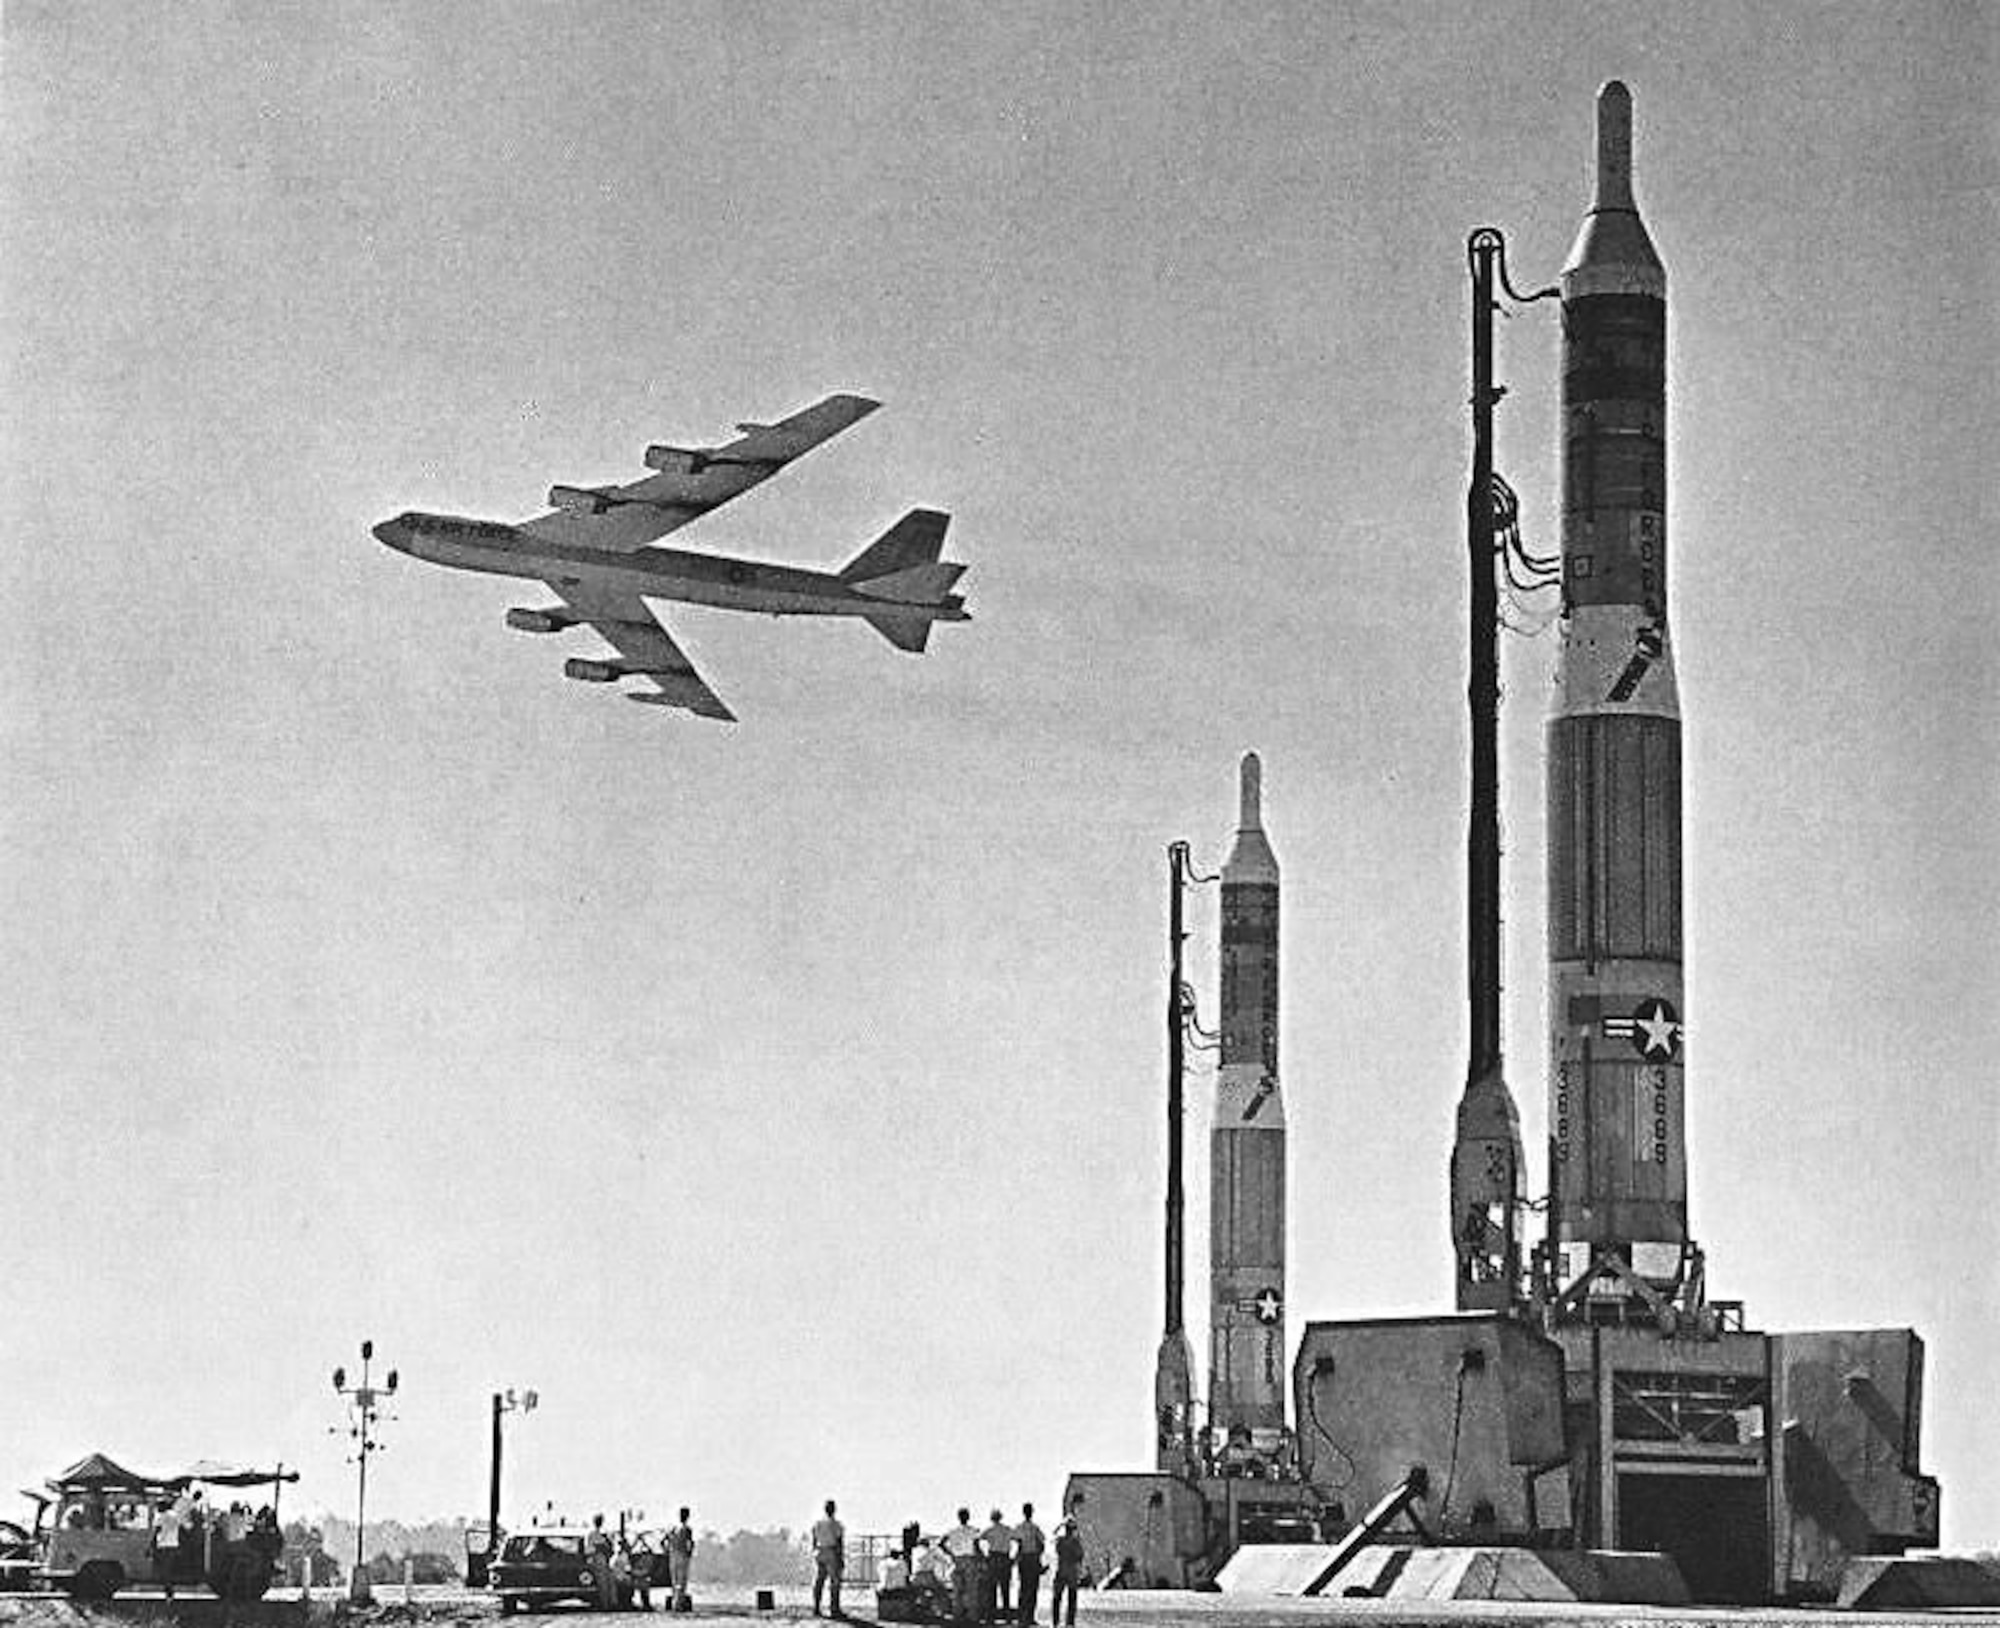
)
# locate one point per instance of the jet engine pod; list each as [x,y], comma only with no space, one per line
[524,620]
[593,672]
[581,499]
[676,460]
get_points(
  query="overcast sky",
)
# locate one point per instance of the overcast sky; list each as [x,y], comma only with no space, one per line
[783,1100]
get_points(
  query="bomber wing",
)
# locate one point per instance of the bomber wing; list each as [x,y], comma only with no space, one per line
[688,482]
[628,624]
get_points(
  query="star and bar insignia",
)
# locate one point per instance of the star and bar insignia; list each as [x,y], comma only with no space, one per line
[1653,1028]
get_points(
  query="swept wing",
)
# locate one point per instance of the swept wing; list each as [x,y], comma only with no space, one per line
[628,624]
[688,482]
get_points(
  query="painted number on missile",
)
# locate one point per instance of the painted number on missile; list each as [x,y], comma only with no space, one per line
[1562,1113]
[1649,1116]
[1649,573]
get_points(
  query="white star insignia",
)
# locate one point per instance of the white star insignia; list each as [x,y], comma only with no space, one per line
[1268,1306]
[1656,1022]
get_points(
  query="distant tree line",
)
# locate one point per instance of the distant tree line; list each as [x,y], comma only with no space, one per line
[436,1549]
[748,1559]
[327,1544]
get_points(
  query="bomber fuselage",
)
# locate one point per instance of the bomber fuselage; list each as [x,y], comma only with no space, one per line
[498,549]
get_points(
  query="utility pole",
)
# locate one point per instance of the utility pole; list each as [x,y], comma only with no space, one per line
[504,1403]
[364,1401]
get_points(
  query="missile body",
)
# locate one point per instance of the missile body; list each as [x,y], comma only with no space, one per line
[1619,1175]
[1247,1364]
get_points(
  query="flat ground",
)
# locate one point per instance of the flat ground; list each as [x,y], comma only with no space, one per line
[446,1608]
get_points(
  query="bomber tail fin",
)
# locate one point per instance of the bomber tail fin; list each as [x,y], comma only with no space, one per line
[905,631]
[901,568]
[915,540]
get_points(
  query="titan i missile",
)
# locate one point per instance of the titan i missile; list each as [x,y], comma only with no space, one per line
[1618,1168]
[1247,1364]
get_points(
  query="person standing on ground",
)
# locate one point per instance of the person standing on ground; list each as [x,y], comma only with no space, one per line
[1069,1573]
[621,1572]
[642,1561]
[829,1540]
[967,1569]
[167,1540]
[996,1602]
[1028,1562]
[680,1559]
[599,1545]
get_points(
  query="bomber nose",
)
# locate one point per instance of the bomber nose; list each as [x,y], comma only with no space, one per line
[393,532]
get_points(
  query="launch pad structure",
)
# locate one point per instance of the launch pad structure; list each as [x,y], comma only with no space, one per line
[1587,1396]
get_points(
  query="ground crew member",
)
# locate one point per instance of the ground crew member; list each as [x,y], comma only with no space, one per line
[829,1541]
[930,1576]
[167,1539]
[599,1545]
[1028,1562]
[680,1557]
[996,1599]
[967,1568]
[1069,1572]
[641,1564]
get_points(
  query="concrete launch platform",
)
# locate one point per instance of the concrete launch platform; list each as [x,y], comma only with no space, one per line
[1388,1571]
[1916,1582]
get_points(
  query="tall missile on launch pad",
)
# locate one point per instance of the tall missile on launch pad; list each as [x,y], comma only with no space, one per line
[1618,1175]
[1247,1372]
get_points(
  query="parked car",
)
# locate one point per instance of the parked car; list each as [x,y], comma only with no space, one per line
[548,1564]
[20,1557]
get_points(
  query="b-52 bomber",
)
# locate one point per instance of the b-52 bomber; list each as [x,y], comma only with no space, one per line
[592,549]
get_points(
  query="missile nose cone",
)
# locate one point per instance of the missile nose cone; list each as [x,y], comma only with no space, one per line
[1250,859]
[1613,254]
[1252,818]
[1614,147]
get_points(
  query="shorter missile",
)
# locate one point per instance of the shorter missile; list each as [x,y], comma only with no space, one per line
[1247,1362]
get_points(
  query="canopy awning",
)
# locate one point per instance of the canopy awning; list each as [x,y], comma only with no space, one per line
[218,1474]
[102,1473]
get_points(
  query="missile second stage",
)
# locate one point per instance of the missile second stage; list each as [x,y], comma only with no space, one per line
[1247,1361]
[1619,1176]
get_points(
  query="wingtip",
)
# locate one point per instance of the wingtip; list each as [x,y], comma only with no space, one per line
[659,698]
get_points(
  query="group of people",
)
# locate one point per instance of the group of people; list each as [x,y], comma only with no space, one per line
[184,1523]
[986,1575]
[628,1572]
